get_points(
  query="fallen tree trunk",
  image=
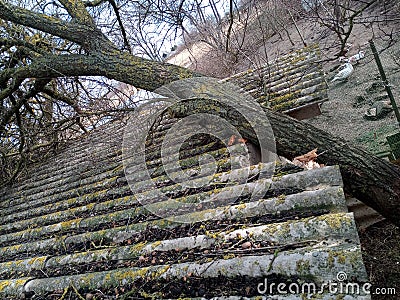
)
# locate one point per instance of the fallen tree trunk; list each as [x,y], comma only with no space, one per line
[370,179]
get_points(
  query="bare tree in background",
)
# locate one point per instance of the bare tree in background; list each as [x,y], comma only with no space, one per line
[243,41]
[338,19]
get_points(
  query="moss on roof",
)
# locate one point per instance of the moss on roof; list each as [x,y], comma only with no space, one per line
[74,227]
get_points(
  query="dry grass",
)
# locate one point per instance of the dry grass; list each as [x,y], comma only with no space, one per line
[381,252]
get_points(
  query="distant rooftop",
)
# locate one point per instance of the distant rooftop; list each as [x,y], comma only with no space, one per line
[288,84]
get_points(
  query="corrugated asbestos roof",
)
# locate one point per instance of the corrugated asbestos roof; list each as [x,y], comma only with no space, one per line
[74,229]
[290,82]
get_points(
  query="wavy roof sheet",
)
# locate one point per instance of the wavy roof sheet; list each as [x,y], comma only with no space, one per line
[73,229]
[291,82]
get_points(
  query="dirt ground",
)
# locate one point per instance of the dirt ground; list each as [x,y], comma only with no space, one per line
[343,115]
[380,245]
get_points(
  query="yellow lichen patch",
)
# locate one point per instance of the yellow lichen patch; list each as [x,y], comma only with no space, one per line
[331,259]
[138,247]
[110,180]
[241,206]
[117,169]
[70,224]
[37,260]
[344,257]
[159,272]
[303,266]
[71,201]
[297,59]
[284,98]
[126,275]
[13,248]
[278,230]
[152,296]
[12,284]
[271,229]
[341,259]
[97,194]
[155,244]
[284,106]
[4,284]
[211,235]
[20,282]
[336,221]
[228,256]
[89,206]
[280,199]
[24,263]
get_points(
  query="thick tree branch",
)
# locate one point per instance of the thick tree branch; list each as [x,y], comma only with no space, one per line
[83,34]
[21,43]
[142,73]
[77,10]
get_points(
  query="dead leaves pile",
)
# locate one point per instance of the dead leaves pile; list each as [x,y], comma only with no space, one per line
[236,140]
[307,161]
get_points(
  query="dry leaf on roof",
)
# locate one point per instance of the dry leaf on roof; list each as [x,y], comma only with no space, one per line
[307,161]
[308,156]
[234,139]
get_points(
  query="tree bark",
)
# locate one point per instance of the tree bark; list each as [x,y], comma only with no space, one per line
[141,73]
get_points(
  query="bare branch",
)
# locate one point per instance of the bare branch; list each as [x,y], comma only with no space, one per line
[36,88]
[121,25]
[78,12]
[229,32]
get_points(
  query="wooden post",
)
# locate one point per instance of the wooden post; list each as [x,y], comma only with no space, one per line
[297,28]
[385,81]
